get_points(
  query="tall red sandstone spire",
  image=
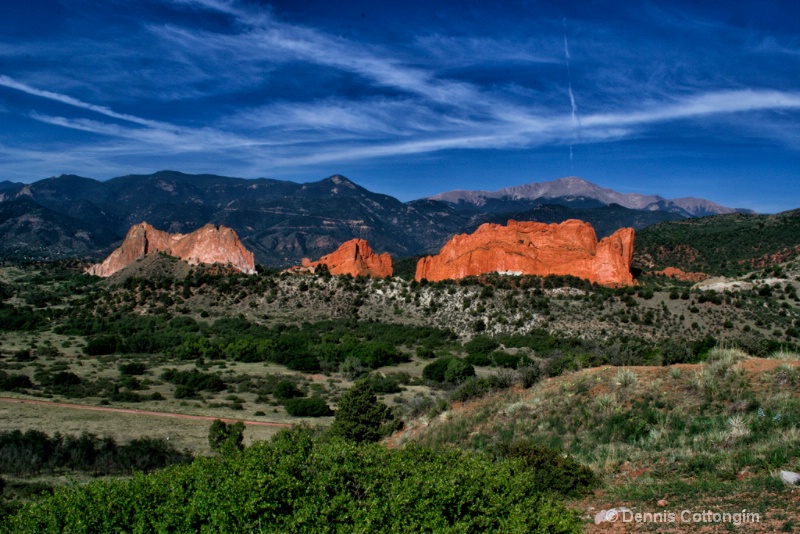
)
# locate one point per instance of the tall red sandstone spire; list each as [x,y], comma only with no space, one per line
[355,257]
[209,244]
[535,249]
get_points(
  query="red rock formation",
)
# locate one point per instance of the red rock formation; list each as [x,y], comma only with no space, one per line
[209,244]
[679,274]
[535,249]
[356,258]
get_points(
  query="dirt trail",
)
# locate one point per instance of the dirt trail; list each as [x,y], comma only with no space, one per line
[139,412]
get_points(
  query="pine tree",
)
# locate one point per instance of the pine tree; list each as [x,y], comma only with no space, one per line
[361,416]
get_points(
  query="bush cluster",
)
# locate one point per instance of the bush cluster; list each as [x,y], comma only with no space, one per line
[308,407]
[303,348]
[33,452]
[299,484]
[190,383]
[11,382]
[448,369]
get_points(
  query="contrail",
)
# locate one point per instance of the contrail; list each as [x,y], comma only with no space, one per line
[576,121]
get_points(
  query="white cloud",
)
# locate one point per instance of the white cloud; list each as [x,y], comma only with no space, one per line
[711,103]
[70,101]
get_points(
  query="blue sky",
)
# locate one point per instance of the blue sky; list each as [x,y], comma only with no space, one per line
[410,98]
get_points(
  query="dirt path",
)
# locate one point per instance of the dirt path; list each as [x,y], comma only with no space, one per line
[138,412]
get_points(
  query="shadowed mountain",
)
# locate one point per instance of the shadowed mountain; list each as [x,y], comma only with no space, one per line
[31,231]
[6,185]
[281,222]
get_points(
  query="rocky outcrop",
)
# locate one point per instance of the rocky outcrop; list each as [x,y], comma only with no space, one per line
[532,248]
[209,244]
[680,274]
[356,258]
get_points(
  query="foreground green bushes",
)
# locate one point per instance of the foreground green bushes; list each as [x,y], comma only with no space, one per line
[300,484]
[33,452]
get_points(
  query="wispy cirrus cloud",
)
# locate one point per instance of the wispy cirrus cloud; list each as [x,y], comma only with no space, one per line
[276,41]
[712,103]
[5,81]
[307,44]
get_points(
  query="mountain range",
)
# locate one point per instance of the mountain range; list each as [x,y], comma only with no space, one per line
[283,221]
[576,192]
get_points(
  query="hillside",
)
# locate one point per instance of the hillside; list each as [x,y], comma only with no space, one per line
[686,437]
[725,244]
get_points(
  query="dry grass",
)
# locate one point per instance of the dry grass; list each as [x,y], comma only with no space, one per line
[181,433]
[785,355]
[726,357]
[189,434]
[625,378]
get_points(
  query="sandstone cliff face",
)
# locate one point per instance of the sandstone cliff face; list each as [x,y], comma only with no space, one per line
[355,257]
[535,249]
[209,244]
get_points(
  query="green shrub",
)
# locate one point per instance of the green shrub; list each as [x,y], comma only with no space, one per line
[65,379]
[32,452]
[426,353]
[132,369]
[551,469]
[189,383]
[481,345]
[307,363]
[298,484]
[472,388]
[184,392]
[530,374]
[481,360]
[360,416]
[677,351]
[308,407]
[645,294]
[21,318]
[10,382]
[223,437]
[436,370]
[24,355]
[101,345]
[383,384]
[457,371]
[509,361]
[285,390]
